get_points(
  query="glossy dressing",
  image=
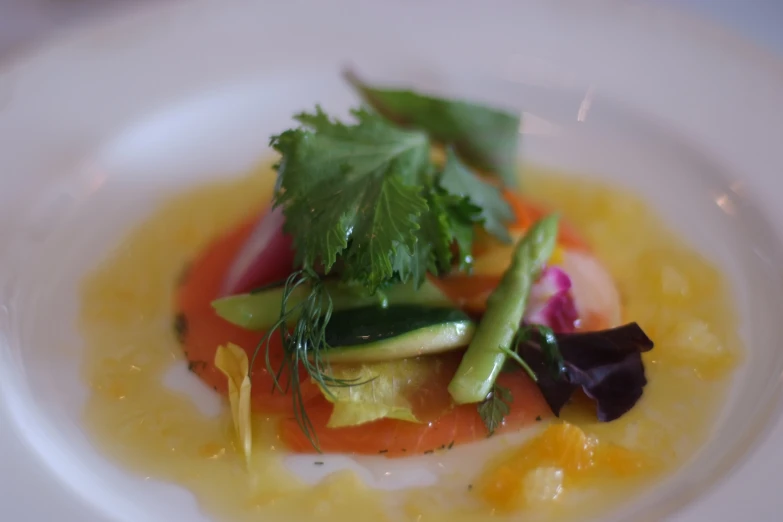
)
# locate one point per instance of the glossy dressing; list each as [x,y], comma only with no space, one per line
[159,432]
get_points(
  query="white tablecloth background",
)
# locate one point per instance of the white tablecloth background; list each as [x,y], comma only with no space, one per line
[25,21]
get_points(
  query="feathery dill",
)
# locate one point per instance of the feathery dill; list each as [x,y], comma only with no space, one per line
[302,341]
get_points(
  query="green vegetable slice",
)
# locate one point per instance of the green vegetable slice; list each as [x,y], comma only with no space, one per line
[397,332]
[261,310]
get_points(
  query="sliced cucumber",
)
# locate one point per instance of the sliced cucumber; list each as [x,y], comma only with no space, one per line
[260,310]
[372,333]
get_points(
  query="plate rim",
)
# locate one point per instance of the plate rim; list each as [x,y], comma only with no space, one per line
[137,14]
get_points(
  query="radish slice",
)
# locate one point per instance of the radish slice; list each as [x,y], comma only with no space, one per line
[595,293]
[267,256]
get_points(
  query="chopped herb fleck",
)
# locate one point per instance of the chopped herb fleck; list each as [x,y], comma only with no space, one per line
[318,463]
[384,451]
[451,445]
[193,365]
[429,451]
[181,327]
[495,408]
[538,418]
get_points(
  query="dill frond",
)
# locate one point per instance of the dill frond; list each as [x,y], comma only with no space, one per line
[303,343]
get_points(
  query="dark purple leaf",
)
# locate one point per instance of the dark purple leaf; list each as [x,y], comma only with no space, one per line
[606,364]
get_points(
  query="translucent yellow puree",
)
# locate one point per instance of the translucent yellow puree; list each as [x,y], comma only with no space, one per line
[562,470]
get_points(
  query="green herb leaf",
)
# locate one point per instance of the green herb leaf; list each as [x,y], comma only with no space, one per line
[387,223]
[495,408]
[485,137]
[460,181]
[356,184]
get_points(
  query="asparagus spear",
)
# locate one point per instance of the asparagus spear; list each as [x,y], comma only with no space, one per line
[485,356]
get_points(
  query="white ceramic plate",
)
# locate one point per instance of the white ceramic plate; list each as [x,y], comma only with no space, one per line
[98,126]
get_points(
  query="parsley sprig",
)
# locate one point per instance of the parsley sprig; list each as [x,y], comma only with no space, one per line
[494,409]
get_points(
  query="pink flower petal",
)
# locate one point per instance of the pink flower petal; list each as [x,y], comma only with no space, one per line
[551,302]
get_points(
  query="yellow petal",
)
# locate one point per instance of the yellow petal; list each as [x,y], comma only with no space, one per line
[379,392]
[232,361]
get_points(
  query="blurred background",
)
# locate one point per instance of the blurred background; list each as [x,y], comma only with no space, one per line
[23,21]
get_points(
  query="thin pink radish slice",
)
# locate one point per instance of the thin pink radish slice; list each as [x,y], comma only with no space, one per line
[267,256]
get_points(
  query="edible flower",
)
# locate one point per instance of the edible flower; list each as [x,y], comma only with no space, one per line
[232,361]
[551,303]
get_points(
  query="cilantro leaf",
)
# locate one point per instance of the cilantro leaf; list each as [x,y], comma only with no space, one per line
[495,408]
[484,137]
[458,180]
[351,190]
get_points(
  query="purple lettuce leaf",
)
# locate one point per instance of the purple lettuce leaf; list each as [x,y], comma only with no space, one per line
[606,364]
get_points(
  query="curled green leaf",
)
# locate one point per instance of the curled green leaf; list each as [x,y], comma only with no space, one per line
[484,137]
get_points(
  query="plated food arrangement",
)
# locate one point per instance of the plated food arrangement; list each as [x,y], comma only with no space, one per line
[404,296]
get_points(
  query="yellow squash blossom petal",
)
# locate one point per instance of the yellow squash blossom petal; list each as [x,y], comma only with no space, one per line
[232,361]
